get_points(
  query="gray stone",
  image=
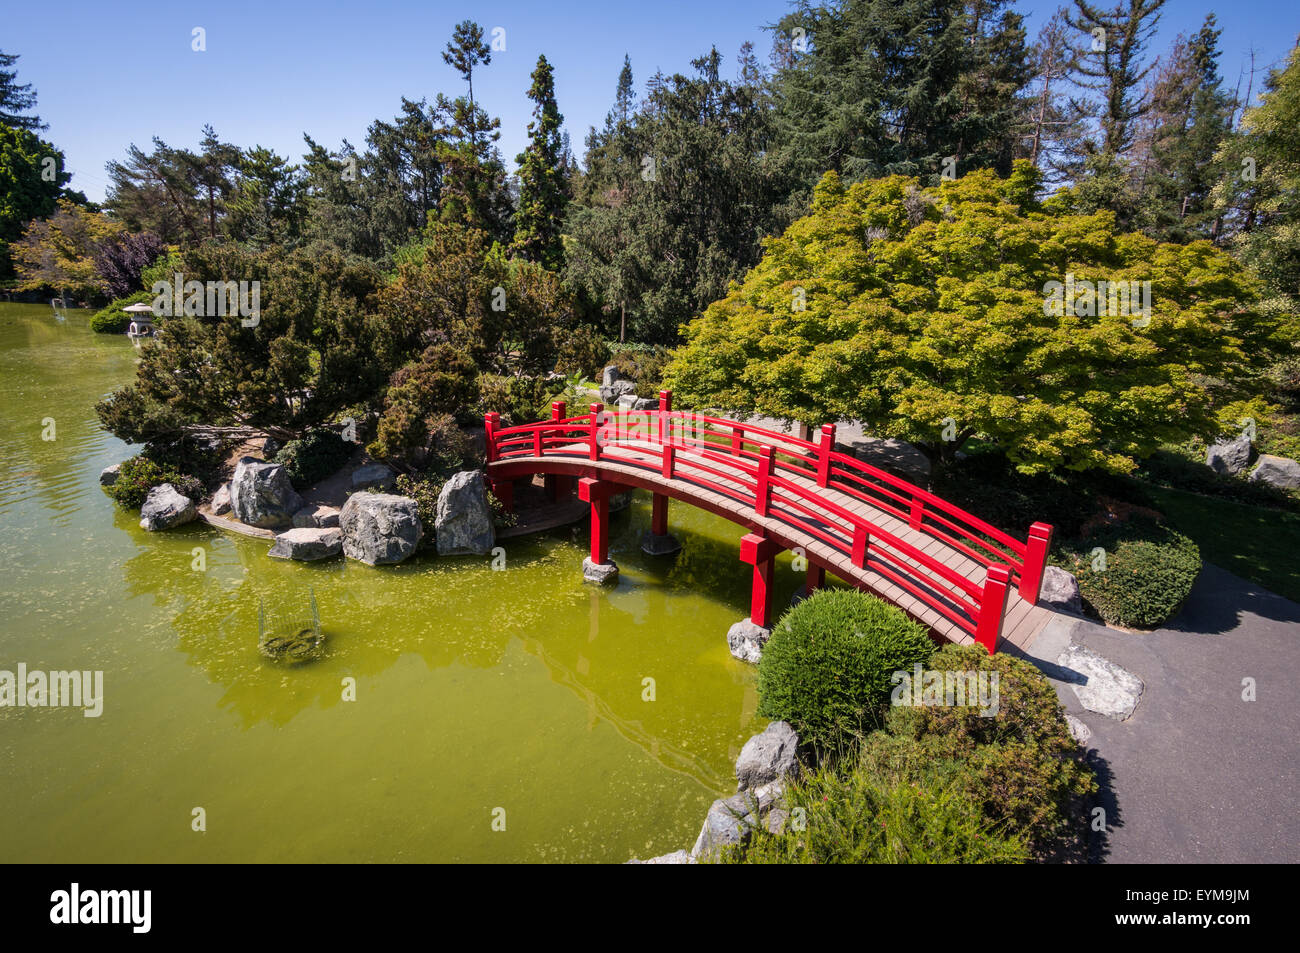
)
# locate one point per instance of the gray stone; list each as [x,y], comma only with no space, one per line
[610,393]
[610,375]
[659,545]
[1105,688]
[1279,471]
[1229,456]
[108,476]
[308,543]
[676,857]
[261,494]
[165,507]
[1060,590]
[221,500]
[633,402]
[746,640]
[602,574]
[373,474]
[379,527]
[777,820]
[312,515]
[767,757]
[1078,730]
[729,822]
[463,526]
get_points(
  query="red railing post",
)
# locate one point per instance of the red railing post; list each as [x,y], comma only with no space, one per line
[665,409]
[916,515]
[824,454]
[595,430]
[670,461]
[737,440]
[557,410]
[860,541]
[763,492]
[1031,580]
[537,441]
[993,606]
[489,431]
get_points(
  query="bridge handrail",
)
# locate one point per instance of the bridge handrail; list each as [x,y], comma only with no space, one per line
[597,434]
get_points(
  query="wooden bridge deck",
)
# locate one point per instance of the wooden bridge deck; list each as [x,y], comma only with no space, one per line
[627,462]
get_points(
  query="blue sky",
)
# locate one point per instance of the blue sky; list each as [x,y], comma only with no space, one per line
[109,74]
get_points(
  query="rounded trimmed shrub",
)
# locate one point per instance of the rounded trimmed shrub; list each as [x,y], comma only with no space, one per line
[111,319]
[828,667]
[1149,570]
[314,456]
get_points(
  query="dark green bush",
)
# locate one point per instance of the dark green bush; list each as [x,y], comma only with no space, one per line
[139,475]
[870,815]
[314,456]
[1021,765]
[424,490]
[200,457]
[582,352]
[827,667]
[1149,570]
[111,319]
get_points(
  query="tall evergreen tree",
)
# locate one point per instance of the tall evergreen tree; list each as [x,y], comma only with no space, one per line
[16,98]
[542,174]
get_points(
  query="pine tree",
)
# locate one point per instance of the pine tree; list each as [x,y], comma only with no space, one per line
[16,98]
[542,174]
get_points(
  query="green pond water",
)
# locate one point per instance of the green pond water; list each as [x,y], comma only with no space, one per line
[521,689]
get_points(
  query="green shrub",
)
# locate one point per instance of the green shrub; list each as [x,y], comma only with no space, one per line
[443,381]
[519,400]
[582,352]
[139,475]
[424,490]
[1149,570]
[1021,765]
[869,816]
[827,667]
[314,456]
[111,319]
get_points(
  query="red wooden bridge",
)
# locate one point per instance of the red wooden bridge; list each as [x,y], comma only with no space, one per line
[964,579]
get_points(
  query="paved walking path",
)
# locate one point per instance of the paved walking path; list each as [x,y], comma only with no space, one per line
[1197,774]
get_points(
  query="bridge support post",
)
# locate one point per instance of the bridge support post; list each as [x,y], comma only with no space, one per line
[598,567]
[503,490]
[1031,580]
[658,541]
[993,606]
[747,637]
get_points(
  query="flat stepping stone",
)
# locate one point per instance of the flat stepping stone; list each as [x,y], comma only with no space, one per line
[308,543]
[1103,686]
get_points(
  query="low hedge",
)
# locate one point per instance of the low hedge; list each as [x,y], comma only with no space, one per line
[314,456]
[1149,570]
[111,319]
[139,475]
[827,667]
[424,490]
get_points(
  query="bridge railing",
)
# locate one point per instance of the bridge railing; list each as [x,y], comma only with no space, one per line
[780,475]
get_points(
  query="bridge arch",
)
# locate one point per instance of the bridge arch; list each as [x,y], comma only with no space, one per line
[963,578]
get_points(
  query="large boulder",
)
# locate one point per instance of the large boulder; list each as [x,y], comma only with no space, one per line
[108,476]
[261,494]
[379,527]
[746,640]
[1230,456]
[1060,590]
[729,822]
[463,525]
[633,402]
[1278,471]
[767,757]
[165,507]
[614,385]
[308,543]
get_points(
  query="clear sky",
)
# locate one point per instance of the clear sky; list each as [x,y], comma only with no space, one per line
[112,73]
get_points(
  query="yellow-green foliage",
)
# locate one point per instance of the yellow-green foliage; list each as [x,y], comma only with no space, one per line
[927,304]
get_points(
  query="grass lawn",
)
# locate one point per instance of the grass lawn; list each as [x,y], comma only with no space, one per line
[1254,542]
